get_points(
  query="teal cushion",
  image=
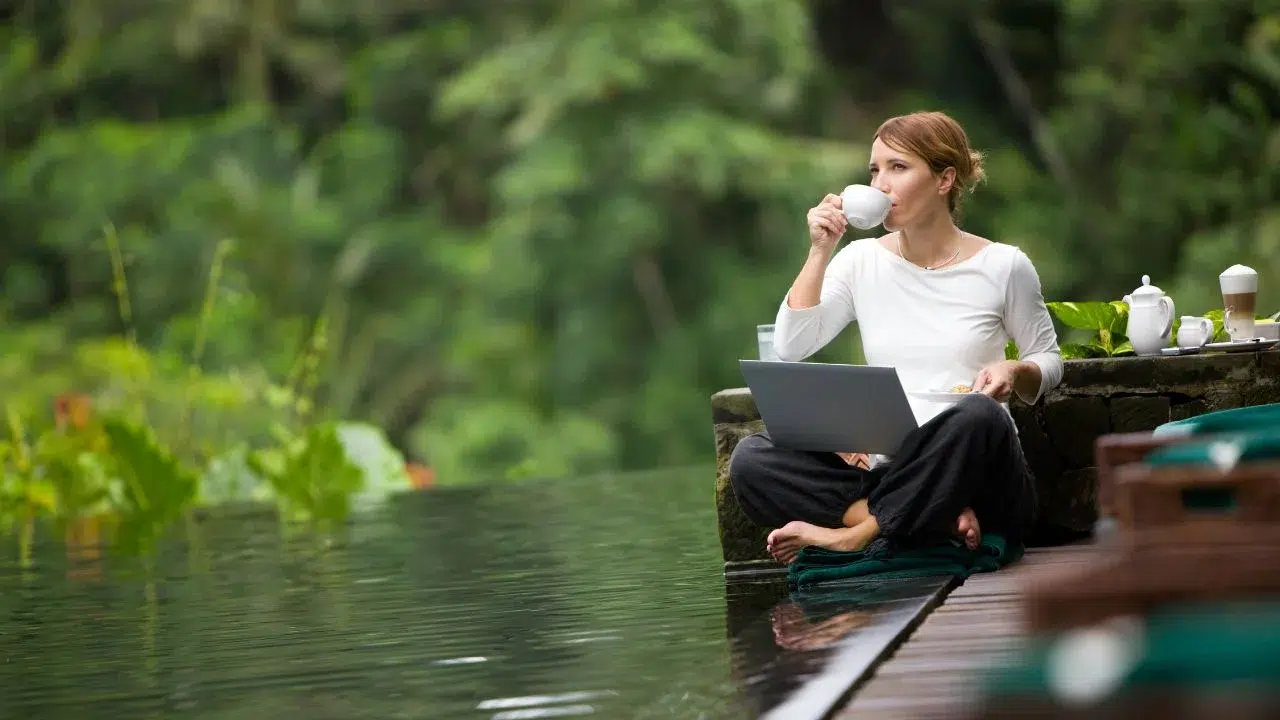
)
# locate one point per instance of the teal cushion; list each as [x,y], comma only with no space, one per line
[1225,450]
[1206,646]
[1233,420]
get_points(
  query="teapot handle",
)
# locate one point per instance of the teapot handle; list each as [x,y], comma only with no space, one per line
[1166,302]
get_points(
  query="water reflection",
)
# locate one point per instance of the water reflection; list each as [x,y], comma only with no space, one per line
[795,654]
[603,596]
[599,596]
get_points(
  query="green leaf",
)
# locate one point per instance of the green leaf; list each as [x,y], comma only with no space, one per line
[156,487]
[1124,348]
[1011,351]
[1073,351]
[1120,325]
[1086,315]
[318,479]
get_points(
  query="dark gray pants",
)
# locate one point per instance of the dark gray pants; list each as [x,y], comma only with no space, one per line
[966,456]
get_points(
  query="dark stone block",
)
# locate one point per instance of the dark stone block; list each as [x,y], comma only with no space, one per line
[1041,457]
[1070,503]
[1105,376]
[1269,363]
[1135,414]
[1182,411]
[733,406]
[1122,372]
[1262,393]
[741,539]
[1073,424]
[1201,370]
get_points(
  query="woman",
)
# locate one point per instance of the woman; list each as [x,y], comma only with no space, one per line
[939,304]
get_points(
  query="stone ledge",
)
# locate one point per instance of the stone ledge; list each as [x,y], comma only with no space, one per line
[1057,433]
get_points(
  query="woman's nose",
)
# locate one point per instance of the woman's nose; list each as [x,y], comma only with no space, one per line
[880,184]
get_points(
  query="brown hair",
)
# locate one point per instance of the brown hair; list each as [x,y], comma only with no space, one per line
[941,143]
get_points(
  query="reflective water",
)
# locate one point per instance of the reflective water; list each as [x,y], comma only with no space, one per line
[597,596]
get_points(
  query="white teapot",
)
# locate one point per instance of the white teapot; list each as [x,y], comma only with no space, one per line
[1150,318]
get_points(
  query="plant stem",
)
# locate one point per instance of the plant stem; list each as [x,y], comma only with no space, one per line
[210,300]
[194,369]
[119,283]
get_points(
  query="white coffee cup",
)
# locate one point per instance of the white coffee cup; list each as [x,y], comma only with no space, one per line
[864,206]
[1239,299]
[1194,331]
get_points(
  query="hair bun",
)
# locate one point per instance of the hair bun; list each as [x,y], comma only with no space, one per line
[976,172]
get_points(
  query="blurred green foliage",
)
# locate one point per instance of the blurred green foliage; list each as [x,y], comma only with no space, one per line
[537,236]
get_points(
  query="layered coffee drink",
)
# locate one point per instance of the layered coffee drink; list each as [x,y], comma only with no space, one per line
[1239,301]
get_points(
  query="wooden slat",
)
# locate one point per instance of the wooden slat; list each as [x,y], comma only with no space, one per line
[934,673]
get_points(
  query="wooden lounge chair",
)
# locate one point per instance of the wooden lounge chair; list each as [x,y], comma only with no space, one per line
[1115,450]
[1181,617]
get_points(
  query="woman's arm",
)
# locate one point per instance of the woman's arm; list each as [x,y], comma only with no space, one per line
[806,291]
[1027,320]
[818,306]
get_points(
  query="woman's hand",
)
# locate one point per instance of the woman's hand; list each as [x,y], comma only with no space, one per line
[827,222]
[997,379]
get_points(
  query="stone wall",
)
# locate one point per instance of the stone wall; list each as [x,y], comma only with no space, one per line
[1096,397]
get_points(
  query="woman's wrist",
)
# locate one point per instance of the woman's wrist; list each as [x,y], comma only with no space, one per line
[1026,378]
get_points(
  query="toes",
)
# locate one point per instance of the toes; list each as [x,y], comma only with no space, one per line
[789,544]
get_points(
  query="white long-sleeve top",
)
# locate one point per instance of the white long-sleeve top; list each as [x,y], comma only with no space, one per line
[938,328]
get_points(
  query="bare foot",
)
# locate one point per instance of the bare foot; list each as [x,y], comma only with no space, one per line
[787,541]
[967,529]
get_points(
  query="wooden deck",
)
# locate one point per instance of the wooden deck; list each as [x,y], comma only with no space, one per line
[932,675]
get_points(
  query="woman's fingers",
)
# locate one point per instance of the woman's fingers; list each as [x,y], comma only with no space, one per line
[980,382]
[825,224]
[826,221]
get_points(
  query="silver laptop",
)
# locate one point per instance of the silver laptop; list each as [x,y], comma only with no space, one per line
[830,408]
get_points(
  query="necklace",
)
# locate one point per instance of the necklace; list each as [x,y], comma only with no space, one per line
[948,261]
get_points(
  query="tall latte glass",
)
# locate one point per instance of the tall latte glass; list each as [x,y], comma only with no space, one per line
[1239,301]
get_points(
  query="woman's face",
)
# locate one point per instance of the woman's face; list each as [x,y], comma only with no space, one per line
[915,191]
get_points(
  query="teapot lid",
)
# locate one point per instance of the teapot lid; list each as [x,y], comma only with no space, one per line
[1147,288]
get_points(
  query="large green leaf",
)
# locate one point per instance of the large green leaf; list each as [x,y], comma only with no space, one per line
[1074,351]
[155,487]
[1120,324]
[317,479]
[1086,315]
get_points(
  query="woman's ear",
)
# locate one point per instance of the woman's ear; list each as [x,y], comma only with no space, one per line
[946,180]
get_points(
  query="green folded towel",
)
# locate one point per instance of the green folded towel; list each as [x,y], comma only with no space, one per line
[1233,420]
[817,565]
[1215,644]
[822,602]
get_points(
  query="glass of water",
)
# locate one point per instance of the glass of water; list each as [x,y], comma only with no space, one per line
[764,339]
